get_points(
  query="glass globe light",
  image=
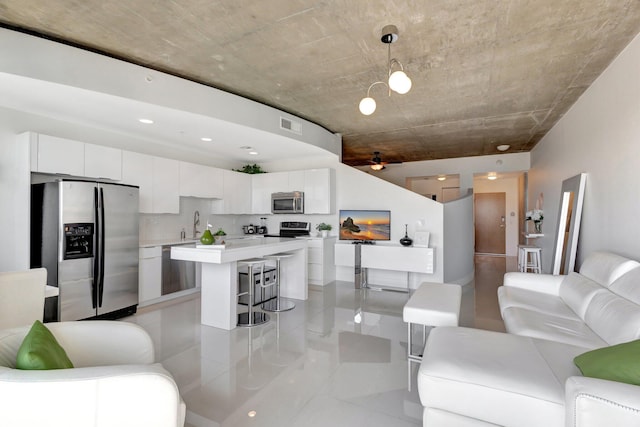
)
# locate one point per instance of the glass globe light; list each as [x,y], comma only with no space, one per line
[367,106]
[399,82]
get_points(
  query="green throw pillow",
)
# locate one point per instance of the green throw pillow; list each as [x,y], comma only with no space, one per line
[616,363]
[40,350]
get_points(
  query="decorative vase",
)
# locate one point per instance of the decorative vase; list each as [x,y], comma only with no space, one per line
[206,238]
[538,226]
[406,241]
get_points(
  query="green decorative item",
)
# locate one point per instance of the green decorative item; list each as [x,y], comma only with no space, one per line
[40,350]
[619,362]
[206,238]
[219,236]
[251,169]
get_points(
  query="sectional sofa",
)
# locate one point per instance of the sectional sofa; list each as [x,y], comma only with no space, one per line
[527,376]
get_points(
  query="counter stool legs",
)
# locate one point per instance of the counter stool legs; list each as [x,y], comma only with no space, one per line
[252,318]
[278,304]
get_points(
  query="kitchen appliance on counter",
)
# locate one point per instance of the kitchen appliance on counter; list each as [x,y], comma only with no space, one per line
[287,203]
[86,235]
[293,229]
[256,229]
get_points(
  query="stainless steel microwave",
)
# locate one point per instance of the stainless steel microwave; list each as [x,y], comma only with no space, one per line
[287,203]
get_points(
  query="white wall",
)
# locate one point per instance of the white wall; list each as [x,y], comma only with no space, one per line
[14,202]
[509,186]
[466,167]
[358,190]
[599,135]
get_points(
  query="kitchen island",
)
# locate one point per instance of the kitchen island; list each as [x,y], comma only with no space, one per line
[219,273]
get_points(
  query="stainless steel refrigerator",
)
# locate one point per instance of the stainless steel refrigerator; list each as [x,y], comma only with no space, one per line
[86,235]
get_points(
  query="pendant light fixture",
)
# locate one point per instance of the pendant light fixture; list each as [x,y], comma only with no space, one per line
[397,81]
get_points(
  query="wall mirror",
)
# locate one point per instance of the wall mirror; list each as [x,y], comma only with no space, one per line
[569,215]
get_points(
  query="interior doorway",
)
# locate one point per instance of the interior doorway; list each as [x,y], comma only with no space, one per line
[490,223]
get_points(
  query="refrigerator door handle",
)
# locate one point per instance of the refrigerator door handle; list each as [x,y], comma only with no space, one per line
[102,236]
[96,255]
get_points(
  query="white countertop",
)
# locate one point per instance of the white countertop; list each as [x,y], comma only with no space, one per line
[178,241]
[237,249]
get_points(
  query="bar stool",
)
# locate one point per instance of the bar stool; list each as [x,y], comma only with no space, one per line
[278,304]
[529,258]
[252,318]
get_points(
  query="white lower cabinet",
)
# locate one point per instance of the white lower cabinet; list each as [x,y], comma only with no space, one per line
[320,264]
[150,274]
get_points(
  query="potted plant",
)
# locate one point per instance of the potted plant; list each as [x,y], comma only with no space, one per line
[324,229]
[218,236]
[251,169]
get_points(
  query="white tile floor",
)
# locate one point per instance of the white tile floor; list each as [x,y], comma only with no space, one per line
[337,359]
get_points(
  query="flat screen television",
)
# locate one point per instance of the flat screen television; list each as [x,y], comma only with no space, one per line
[365,225]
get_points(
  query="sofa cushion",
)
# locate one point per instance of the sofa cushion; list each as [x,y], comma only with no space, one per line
[499,378]
[40,350]
[605,267]
[577,291]
[537,301]
[628,286]
[619,362]
[613,318]
[530,323]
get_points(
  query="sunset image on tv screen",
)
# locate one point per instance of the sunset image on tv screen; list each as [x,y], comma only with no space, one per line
[365,225]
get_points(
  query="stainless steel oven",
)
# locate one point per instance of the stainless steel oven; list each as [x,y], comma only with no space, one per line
[287,203]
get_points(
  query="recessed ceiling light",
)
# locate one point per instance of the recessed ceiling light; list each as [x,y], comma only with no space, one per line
[253,153]
[206,139]
[251,414]
[503,147]
[146,121]
[492,176]
[442,178]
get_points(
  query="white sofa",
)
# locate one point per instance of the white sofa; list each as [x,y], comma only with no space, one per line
[527,377]
[114,381]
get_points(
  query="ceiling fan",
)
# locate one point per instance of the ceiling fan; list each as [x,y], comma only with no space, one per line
[377,164]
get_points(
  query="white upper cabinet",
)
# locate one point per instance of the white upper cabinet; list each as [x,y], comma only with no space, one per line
[318,186]
[319,191]
[158,180]
[50,154]
[296,181]
[263,184]
[166,185]
[137,169]
[236,198]
[200,181]
[102,162]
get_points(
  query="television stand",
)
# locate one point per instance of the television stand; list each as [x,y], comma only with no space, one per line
[360,273]
[407,259]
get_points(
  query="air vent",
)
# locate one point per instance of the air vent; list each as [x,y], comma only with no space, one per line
[290,125]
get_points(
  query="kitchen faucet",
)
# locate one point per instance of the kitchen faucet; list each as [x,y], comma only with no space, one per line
[196,222]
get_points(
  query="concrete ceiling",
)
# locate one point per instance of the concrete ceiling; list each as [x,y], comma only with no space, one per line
[484,72]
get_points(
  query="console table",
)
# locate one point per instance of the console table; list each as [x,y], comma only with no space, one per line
[409,259]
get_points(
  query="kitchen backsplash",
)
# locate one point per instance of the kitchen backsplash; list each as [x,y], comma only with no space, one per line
[169,226]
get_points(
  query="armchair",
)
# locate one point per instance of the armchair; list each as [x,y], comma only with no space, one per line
[22,296]
[114,381]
